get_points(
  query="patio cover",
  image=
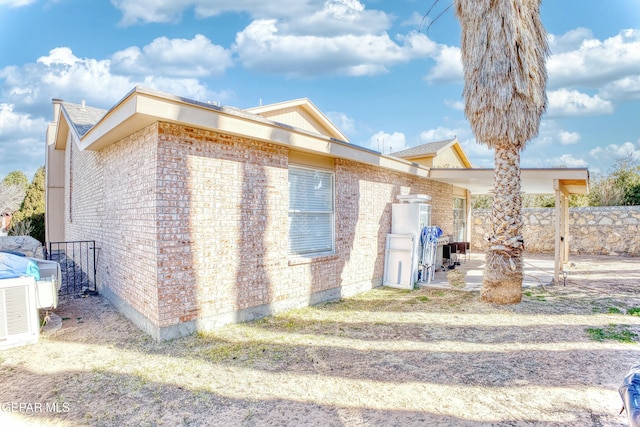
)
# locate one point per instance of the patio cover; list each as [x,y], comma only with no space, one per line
[562,182]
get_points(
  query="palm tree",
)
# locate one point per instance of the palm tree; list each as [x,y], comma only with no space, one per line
[504,49]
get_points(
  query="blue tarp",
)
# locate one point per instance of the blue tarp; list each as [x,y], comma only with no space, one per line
[630,394]
[12,266]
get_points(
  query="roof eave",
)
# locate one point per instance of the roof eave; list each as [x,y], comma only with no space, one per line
[534,180]
[141,108]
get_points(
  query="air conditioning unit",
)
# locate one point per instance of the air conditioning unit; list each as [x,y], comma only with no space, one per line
[19,321]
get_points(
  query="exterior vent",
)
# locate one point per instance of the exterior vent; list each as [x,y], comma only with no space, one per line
[19,322]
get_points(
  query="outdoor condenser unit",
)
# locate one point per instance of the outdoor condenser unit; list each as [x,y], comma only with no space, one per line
[19,321]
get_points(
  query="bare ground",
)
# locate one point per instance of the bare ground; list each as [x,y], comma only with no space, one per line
[384,358]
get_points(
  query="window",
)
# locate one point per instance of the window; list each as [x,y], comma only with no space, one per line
[311,211]
[459,219]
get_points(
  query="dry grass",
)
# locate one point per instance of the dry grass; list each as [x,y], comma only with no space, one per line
[384,358]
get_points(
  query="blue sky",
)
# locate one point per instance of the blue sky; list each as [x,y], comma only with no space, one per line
[381,73]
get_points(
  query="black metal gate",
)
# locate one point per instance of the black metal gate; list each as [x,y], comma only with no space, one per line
[77,264]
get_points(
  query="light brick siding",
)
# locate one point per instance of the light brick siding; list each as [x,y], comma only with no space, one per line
[114,199]
[223,234]
[364,195]
[192,228]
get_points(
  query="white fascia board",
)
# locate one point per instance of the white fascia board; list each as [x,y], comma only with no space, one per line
[113,126]
[140,109]
[533,181]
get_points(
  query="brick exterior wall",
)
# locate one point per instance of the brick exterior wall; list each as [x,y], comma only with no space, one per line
[192,228]
[113,199]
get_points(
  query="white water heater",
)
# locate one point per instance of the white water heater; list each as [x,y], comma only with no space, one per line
[410,218]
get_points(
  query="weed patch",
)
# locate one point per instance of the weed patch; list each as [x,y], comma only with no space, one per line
[612,332]
[633,311]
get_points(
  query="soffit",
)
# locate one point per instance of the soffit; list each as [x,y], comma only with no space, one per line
[533,181]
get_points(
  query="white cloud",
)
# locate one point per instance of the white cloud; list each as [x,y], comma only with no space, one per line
[63,75]
[24,154]
[595,63]
[565,103]
[415,20]
[149,11]
[568,138]
[330,17]
[342,121]
[294,37]
[448,67]
[568,160]
[456,105]
[338,17]
[21,138]
[569,41]
[16,3]
[626,89]
[260,46]
[388,142]
[437,134]
[615,151]
[564,160]
[27,91]
[13,123]
[197,57]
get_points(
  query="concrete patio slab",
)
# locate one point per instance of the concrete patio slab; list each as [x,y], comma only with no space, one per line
[538,270]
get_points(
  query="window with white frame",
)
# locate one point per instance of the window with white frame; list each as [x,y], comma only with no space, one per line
[459,219]
[311,211]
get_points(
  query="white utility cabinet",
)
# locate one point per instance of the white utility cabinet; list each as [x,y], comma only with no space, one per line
[403,243]
[400,258]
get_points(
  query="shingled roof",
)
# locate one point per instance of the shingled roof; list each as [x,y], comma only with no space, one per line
[424,150]
[83,117]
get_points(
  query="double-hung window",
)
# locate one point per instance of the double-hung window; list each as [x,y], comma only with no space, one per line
[311,211]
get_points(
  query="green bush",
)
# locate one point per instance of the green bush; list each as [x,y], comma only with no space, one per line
[31,213]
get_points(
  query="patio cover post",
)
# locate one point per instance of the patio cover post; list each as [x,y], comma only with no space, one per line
[565,216]
[561,252]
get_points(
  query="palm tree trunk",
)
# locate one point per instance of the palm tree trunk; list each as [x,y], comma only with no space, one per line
[502,281]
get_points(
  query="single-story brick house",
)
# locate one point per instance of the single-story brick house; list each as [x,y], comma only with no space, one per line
[205,215]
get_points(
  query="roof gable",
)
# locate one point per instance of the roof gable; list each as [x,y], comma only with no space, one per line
[82,117]
[447,148]
[302,114]
[75,118]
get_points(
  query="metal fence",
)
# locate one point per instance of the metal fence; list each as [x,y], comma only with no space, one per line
[77,264]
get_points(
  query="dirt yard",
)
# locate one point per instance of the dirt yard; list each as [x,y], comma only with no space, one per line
[385,358]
